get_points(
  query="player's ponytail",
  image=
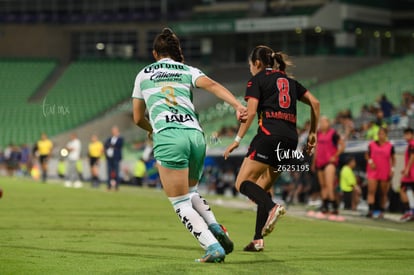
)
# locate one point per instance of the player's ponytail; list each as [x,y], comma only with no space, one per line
[270,59]
[167,44]
[282,61]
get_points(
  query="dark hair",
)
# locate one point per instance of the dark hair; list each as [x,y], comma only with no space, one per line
[269,58]
[383,129]
[408,131]
[167,44]
[348,159]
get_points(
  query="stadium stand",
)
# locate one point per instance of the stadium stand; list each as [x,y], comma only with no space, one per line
[392,78]
[75,99]
[19,80]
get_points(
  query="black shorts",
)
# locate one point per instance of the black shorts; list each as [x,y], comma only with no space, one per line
[273,150]
[405,184]
[43,158]
[93,161]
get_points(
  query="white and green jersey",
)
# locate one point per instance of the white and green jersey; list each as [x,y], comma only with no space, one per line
[166,88]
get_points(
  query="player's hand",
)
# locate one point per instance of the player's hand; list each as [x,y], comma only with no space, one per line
[310,146]
[241,113]
[405,172]
[372,165]
[313,167]
[230,149]
[149,136]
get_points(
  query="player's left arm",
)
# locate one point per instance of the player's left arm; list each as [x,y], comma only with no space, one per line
[252,104]
[138,110]
[410,163]
[309,99]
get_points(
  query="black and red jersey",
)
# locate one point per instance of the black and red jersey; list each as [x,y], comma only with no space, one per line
[277,95]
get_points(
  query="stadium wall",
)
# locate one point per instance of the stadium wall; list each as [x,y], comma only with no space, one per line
[40,41]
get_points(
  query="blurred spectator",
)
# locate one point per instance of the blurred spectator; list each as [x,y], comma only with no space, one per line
[7,154]
[25,159]
[43,149]
[96,151]
[403,120]
[372,131]
[303,136]
[365,112]
[79,169]
[287,187]
[379,119]
[13,159]
[226,181]
[61,168]
[386,107]
[210,178]
[139,171]
[407,180]
[2,160]
[113,152]
[380,169]
[74,147]
[408,103]
[349,185]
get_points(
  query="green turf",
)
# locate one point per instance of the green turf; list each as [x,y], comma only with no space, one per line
[49,229]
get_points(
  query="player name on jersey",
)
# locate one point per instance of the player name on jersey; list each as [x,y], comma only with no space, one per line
[281,115]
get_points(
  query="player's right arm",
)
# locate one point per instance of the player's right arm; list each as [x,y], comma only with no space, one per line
[140,120]
[221,92]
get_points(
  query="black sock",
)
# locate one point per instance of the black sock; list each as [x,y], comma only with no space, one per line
[406,206]
[334,205]
[256,194]
[371,207]
[261,217]
[325,205]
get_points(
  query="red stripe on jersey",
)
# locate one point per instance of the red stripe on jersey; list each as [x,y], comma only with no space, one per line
[249,84]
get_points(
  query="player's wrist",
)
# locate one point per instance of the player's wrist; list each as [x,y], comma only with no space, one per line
[238,139]
[370,161]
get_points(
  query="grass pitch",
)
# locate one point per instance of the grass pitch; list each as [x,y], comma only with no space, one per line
[49,229]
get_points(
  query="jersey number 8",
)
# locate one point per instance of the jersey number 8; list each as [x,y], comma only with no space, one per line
[284,97]
[170,98]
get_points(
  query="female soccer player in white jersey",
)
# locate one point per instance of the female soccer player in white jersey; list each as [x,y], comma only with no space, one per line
[164,88]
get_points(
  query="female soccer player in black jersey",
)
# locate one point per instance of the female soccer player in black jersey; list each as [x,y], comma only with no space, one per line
[272,94]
